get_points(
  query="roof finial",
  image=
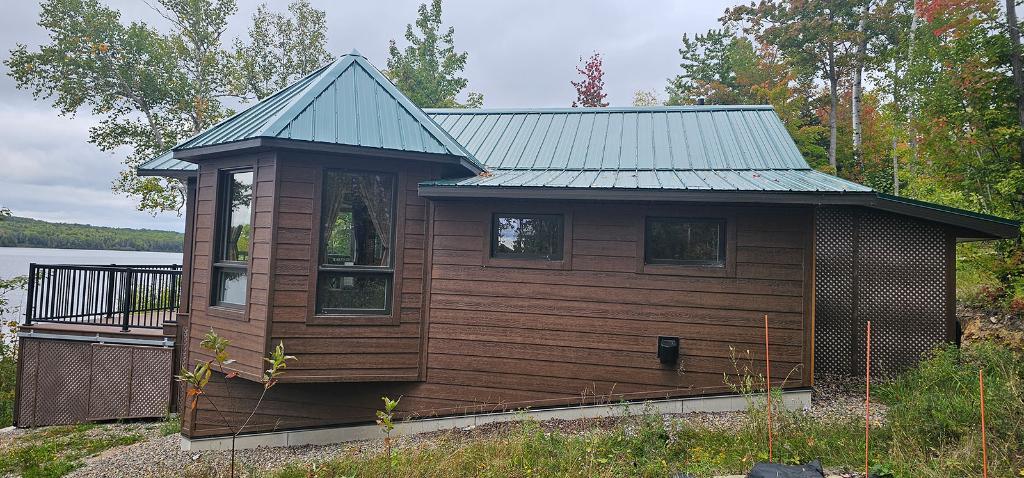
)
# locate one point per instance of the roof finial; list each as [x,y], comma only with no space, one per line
[355,52]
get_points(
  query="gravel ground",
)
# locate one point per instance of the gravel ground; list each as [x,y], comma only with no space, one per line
[162,456]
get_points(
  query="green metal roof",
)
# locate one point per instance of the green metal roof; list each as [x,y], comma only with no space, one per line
[348,102]
[166,165]
[790,180]
[656,138]
[741,153]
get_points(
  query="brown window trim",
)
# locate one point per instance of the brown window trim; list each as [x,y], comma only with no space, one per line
[565,263]
[725,269]
[239,312]
[394,315]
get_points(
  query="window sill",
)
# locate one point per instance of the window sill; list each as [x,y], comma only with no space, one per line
[698,270]
[222,312]
[525,263]
[355,319]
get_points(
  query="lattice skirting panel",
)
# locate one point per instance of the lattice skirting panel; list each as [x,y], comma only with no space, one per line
[893,270]
[62,382]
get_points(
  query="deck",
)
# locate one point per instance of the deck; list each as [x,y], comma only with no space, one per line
[97,343]
[131,298]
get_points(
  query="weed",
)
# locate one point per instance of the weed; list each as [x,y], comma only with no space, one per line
[56,451]
[931,431]
[170,425]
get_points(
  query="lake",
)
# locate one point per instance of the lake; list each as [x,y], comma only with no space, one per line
[14,261]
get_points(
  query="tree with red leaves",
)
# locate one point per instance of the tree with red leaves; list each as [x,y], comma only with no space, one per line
[590,90]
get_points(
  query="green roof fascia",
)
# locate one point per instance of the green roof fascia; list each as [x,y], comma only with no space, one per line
[996,227]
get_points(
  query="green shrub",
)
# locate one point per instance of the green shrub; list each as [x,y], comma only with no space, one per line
[934,413]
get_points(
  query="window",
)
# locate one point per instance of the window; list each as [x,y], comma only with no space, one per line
[527,236]
[684,241]
[230,270]
[356,272]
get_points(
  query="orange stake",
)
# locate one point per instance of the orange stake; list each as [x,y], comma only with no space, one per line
[768,385]
[984,445]
[867,402]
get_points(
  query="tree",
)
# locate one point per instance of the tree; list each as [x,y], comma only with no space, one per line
[428,69]
[1013,26]
[281,49]
[198,378]
[815,36]
[150,89]
[709,63]
[724,68]
[646,98]
[590,90]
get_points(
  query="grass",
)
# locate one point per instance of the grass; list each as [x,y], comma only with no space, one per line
[934,413]
[170,425]
[641,446]
[57,451]
[931,430]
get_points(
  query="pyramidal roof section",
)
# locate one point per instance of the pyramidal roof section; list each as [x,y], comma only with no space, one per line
[347,102]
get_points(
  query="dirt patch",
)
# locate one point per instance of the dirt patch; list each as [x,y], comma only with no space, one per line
[979,324]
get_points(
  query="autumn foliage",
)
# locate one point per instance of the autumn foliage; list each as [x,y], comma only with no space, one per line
[590,90]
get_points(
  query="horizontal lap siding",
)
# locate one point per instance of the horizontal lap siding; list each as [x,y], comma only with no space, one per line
[247,332]
[344,352]
[506,338]
[592,327]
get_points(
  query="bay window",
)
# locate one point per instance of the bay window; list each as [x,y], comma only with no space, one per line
[355,266]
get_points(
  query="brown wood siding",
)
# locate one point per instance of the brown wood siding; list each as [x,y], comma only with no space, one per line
[246,330]
[496,337]
[597,323]
[345,349]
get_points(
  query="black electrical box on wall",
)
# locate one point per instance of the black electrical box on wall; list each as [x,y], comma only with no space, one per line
[668,349]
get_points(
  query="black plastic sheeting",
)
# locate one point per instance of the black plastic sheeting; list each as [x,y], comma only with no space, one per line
[774,470]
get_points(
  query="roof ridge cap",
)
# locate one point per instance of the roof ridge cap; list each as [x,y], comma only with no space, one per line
[610,109]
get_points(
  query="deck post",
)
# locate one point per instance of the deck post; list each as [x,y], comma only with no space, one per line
[31,293]
[110,294]
[126,305]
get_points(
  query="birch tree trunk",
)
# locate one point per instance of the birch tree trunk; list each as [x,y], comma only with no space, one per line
[858,91]
[895,168]
[833,87]
[1015,64]
[912,93]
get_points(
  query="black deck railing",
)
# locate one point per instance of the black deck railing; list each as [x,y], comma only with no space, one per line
[126,296]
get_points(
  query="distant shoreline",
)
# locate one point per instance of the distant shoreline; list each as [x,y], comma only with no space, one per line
[89,249]
[32,233]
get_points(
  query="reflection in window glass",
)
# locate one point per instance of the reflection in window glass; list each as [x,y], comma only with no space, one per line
[232,286]
[235,233]
[684,241]
[355,269]
[357,216]
[339,292]
[238,230]
[527,236]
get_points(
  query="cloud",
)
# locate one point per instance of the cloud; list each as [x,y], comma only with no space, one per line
[521,54]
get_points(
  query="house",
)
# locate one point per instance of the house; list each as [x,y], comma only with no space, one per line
[485,260]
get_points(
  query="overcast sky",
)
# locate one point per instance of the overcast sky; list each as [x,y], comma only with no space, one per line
[521,54]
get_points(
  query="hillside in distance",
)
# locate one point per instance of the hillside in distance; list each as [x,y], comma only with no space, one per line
[25,232]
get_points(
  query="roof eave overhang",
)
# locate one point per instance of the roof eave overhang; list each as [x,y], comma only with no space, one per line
[194,155]
[968,226]
[623,194]
[167,173]
[983,226]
